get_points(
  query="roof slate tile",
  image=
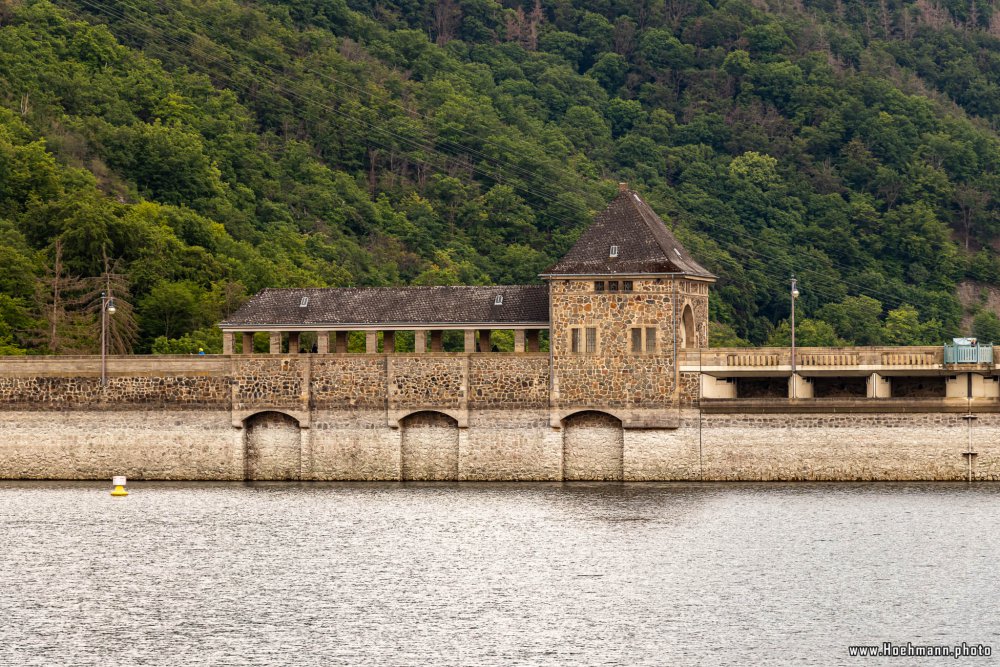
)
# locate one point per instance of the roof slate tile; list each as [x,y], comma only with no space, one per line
[394,306]
[645,245]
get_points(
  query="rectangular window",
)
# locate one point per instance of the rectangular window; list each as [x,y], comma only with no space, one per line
[626,285]
[598,285]
[574,341]
[591,340]
[636,341]
[650,339]
[612,285]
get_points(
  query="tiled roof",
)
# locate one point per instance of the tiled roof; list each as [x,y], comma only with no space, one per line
[644,244]
[395,306]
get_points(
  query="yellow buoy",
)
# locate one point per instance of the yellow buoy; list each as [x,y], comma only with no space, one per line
[119,483]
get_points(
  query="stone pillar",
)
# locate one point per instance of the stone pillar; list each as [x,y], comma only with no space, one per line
[879,387]
[388,342]
[470,340]
[532,339]
[322,342]
[799,387]
[342,342]
[371,342]
[293,342]
[436,344]
[247,342]
[518,340]
[227,342]
[484,340]
[419,341]
[275,342]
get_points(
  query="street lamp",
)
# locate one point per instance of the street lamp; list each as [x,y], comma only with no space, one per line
[795,295]
[107,308]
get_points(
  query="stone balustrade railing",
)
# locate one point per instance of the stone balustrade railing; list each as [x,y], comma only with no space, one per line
[813,357]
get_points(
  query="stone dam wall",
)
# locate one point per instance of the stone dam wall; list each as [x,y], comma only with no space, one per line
[445,417]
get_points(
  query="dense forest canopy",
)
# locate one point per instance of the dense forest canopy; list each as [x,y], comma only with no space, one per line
[185,154]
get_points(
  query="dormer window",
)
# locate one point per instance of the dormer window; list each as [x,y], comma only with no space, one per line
[498,301]
[613,252]
[304,302]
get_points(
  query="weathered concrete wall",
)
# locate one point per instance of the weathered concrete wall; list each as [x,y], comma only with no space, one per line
[593,445]
[429,447]
[154,444]
[354,444]
[511,445]
[470,417]
[273,447]
[848,447]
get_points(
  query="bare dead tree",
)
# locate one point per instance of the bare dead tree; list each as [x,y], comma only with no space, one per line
[59,301]
[970,201]
[447,15]
[534,21]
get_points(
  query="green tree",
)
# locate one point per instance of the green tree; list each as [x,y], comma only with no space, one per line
[903,327]
[855,319]
[986,327]
[808,333]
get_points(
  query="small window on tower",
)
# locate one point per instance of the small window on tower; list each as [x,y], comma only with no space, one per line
[598,285]
[612,285]
[626,285]
[614,251]
[304,302]
[636,341]
[499,300]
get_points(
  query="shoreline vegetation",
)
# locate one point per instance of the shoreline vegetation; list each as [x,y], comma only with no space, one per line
[183,156]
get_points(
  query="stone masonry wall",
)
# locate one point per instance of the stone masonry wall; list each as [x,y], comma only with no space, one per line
[614,376]
[848,447]
[86,393]
[438,381]
[429,449]
[199,420]
[593,444]
[141,444]
[508,382]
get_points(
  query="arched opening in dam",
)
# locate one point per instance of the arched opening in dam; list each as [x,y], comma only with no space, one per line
[272,443]
[593,447]
[429,447]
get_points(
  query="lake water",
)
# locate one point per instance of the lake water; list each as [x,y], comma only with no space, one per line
[494,574]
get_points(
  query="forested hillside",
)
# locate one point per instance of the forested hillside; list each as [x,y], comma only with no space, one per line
[186,154]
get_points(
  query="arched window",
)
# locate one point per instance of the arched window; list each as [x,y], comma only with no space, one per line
[687,331]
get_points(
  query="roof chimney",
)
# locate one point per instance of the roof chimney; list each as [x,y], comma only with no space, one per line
[623,187]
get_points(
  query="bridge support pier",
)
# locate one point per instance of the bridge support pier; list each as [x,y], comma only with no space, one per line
[799,387]
[879,387]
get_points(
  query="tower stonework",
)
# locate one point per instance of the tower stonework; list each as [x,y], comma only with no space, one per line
[624,301]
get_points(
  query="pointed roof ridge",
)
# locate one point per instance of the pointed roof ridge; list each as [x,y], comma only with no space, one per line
[645,244]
